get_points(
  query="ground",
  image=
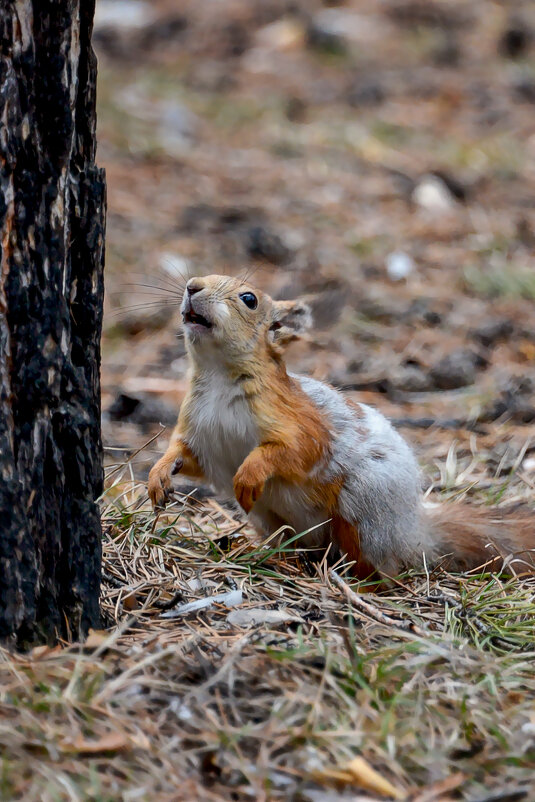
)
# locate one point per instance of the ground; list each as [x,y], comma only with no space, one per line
[380,156]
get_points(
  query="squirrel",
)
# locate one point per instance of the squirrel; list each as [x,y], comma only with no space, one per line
[297,453]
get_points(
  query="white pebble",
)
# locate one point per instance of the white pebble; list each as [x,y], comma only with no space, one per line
[399,265]
[431,193]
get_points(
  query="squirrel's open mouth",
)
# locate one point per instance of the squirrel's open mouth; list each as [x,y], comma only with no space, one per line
[192,317]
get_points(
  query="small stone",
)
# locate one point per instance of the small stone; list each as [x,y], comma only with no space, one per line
[515,40]
[296,109]
[455,370]
[234,39]
[525,233]
[412,379]
[203,217]
[420,311]
[122,407]
[414,14]
[283,34]
[432,193]
[399,265]
[142,411]
[321,36]
[380,310]
[336,29]
[515,402]
[262,243]
[524,89]
[365,93]
[492,332]
[447,54]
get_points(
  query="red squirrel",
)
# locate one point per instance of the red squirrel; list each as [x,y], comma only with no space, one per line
[296,452]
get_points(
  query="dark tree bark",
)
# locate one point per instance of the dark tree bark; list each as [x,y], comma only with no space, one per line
[52,212]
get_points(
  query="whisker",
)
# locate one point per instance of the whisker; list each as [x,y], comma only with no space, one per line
[165,281]
[155,287]
[164,301]
[167,296]
[250,273]
[243,275]
[151,305]
[176,270]
[244,278]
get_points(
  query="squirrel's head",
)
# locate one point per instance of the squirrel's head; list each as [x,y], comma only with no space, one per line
[227,316]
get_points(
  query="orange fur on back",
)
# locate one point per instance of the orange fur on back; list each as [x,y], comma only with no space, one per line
[287,416]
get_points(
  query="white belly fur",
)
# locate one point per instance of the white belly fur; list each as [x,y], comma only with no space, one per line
[224,432]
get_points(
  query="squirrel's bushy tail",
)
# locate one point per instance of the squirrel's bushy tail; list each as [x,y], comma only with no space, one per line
[469,537]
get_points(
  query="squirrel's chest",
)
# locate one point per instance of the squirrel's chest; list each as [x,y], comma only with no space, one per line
[222,431]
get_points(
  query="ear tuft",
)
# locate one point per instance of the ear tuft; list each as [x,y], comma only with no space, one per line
[289,320]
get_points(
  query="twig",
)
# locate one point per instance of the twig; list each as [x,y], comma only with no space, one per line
[371,611]
[135,453]
[463,614]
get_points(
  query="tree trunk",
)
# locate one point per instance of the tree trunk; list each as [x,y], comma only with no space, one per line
[52,213]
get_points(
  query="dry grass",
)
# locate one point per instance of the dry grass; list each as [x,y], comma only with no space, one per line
[272,698]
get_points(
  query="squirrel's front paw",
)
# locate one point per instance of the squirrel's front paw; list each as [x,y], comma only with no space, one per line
[159,486]
[247,488]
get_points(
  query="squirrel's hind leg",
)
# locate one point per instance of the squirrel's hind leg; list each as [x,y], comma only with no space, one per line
[346,536]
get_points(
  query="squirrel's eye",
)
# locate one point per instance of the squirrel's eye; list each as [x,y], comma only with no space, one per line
[249,299]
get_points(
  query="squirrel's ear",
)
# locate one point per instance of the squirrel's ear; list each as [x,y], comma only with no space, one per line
[289,319]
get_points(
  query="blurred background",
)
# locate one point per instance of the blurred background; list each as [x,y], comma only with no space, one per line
[378,153]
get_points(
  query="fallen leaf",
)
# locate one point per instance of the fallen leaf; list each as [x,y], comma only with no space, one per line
[333,776]
[359,772]
[131,602]
[256,615]
[230,599]
[367,777]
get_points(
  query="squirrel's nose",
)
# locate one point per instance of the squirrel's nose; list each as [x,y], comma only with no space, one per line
[192,289]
